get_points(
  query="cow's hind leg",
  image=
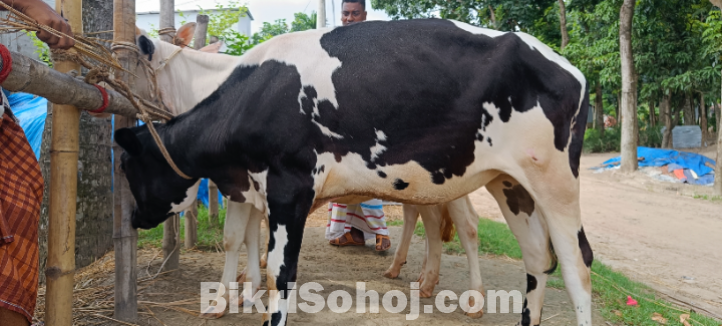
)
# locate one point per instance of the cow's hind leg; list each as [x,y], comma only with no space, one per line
[411,215]
[529,228]
[237,217]
[431,217]
[253,268]
[466,219]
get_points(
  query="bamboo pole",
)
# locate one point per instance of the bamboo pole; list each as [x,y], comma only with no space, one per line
[321,15]
[171,227]
[212,203]
[32,76]
[125,238]
[191,222]
[64,152]
[199,39]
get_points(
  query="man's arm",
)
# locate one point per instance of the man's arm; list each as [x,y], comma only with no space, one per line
[43,14]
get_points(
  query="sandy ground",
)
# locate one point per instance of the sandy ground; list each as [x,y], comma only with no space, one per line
[652,231]
[338,269]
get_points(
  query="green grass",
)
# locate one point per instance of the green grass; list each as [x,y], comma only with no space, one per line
[208,236]
[707,197]
[610,288]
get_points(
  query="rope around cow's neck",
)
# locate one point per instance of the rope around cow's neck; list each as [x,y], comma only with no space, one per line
[146,119]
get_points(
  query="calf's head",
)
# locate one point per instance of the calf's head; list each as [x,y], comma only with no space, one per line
[158,190]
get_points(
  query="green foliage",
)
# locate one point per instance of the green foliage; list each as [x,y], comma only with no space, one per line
[302,22]
[41,49]
[209,237]
[610,142]
[270,30]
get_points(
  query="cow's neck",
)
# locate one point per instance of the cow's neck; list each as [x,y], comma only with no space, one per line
[190,76]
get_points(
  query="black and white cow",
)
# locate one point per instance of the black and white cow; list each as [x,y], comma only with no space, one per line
[421,112]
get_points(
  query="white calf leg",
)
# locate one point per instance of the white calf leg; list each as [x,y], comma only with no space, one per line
[411,215]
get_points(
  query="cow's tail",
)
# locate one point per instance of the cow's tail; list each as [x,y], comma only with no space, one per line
[447,226]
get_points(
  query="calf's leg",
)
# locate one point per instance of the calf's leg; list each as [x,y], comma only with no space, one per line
[411,215]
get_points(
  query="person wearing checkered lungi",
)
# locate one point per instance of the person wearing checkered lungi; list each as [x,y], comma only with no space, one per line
[352,225]
[21,187]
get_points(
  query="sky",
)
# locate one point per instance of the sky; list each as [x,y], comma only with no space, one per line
[267,10]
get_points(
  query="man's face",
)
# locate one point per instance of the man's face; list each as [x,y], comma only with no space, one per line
[352,12]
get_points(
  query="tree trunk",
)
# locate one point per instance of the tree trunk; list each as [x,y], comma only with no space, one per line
[212,204]
[703,118]
[171,227]
[599,110]
[199,39]
[718,166]
[321,15]
[619,109]
[191,222]
[493,16]
[652,114]
[629,89]
[563,24]
[665,110]
[688,113]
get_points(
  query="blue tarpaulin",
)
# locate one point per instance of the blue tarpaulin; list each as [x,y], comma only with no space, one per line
[31,111]
[700,164]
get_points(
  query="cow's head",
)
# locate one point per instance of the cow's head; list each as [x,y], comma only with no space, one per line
[158,190]
[173,79]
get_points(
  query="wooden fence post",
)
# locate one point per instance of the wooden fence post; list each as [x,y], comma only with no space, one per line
[171,227]
[191,222]
[64,151]
[199,39]
[212,204]
[125,238]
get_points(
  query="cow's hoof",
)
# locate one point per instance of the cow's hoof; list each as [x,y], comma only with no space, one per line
[475,315]
[392,273]
[426,293]
[241,277]
[212,313]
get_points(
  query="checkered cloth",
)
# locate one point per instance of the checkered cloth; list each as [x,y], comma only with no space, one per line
[21,193]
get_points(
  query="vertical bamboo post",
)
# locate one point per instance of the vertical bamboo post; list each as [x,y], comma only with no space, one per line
[321,15]
[64,151]
[201,31]
[191,222]
[212,203]
[171,227]
[125,238]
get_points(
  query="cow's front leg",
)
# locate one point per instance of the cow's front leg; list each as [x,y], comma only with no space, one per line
[286,223]
[252,241]
[237,217]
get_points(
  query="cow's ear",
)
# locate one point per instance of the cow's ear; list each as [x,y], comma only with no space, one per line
[127,139]
[184,35]
[146,46]
[212,48]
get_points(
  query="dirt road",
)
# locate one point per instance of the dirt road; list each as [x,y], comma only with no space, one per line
[647,230]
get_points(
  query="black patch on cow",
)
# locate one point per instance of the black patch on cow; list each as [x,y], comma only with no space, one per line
[381,174]
[554,262]
[321,169]
[519,200]
[479,137]
[580,126]
[313,171]
[525,315]
[489,139]
[146,46]
[586,249]
[276,318]
[531,283]
[453,73]
[507,184]
[400,184]
[256,185]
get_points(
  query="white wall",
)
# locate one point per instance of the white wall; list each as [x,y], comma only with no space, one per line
[148,21]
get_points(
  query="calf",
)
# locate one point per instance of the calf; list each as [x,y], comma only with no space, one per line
[420,111]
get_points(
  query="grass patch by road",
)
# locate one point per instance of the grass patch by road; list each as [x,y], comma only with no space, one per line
[710,198]
[610,288]
[209,237]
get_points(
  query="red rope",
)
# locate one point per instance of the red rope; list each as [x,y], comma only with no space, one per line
[105,100]
[7,63]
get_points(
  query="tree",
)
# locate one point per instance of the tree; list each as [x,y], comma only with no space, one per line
[302,22]
[629,88]
[718,166]
[563,25]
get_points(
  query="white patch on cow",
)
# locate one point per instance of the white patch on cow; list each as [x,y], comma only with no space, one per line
[191,195]
[477,30]
[315,65]
[257,197]
[378,149]
[327,131]
[276,256]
